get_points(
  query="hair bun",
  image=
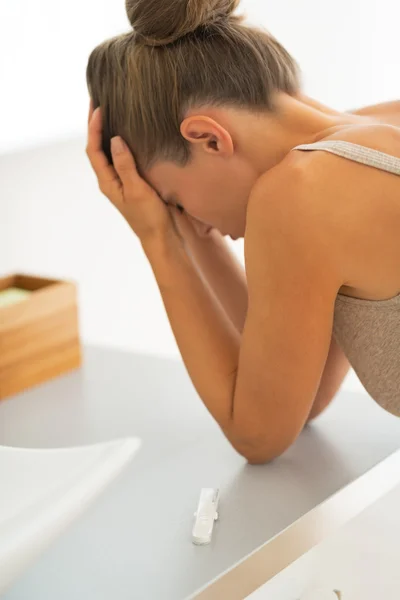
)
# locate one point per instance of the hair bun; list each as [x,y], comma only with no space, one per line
[161,22]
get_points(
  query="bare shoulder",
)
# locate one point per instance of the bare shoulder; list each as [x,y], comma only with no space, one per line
[347,212]
[287,211]
[321,183]
[294,191]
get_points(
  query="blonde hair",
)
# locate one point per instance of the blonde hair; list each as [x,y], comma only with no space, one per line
[182,54]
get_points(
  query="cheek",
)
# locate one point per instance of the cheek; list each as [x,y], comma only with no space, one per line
[203,205]
[204,200]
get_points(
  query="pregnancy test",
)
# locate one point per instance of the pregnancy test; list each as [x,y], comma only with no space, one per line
[205,517]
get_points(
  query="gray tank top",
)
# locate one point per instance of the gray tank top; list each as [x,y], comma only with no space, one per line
[368,331]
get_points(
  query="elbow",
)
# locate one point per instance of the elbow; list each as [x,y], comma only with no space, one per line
[257,452]
[257,443]
[260,457]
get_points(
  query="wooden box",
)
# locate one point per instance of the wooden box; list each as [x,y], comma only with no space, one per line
[39,335]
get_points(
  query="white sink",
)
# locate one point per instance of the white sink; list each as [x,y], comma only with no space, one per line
[43,491]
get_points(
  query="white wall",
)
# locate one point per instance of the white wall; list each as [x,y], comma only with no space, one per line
[44,47]
[61,225]
[52,218]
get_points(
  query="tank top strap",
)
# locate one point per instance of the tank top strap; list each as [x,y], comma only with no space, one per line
[357,153]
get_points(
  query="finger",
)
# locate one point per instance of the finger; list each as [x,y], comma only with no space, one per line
[106,174]
[125,167]
[91,110]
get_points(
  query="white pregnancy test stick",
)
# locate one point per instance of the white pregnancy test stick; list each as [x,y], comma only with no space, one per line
[206,515]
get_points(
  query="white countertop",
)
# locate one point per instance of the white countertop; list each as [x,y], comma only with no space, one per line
[135,542]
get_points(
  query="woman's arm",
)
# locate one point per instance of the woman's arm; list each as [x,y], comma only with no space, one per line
[336,368]
[226,277]
[208,341]
[219,266]
[260,385]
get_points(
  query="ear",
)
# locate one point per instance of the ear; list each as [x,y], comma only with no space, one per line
[208,135]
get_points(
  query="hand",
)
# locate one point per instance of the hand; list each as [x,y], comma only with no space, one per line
[137,202]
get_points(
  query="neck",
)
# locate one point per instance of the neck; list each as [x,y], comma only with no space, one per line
[340,119]
[299,120]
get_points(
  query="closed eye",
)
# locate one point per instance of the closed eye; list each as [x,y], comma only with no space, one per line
[171,201]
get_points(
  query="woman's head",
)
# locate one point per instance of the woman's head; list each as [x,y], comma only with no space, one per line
[177,89]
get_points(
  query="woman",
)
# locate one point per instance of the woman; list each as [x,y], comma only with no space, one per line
[226,143]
